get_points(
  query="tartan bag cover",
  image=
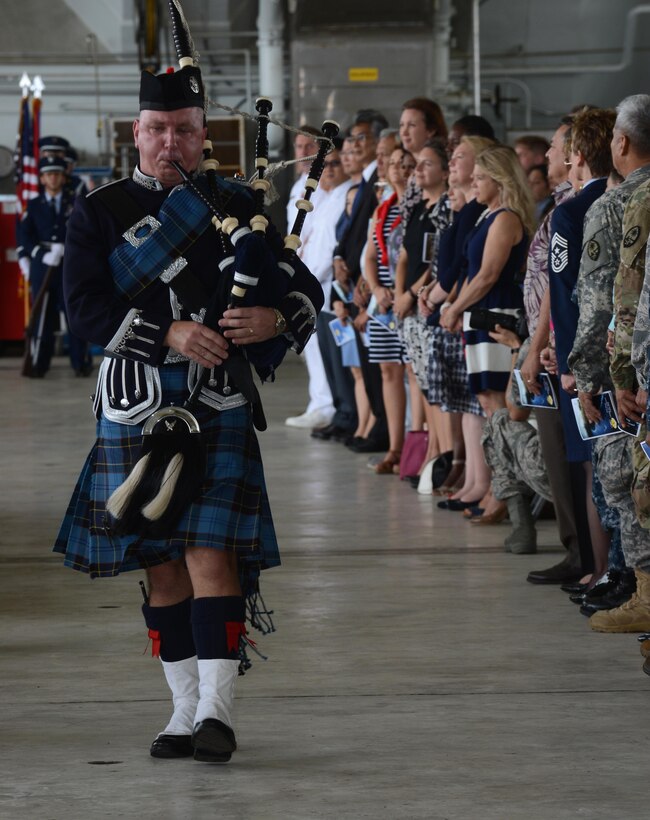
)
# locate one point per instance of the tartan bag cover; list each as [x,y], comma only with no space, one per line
[153,244]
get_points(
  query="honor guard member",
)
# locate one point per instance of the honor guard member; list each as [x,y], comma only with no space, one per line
[41,237]
[589,361]
[74,181]
[122,280]
[59,147]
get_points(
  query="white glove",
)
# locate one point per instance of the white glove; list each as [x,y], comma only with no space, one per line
[54,255]
[24,264]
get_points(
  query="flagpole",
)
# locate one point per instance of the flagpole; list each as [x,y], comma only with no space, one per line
[25,86]
[38,87]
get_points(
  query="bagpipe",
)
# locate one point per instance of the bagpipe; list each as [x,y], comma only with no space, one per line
[171,466]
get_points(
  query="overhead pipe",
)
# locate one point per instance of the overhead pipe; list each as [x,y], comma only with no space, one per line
[443,12]
[626,61]
[270,44]
[476,55]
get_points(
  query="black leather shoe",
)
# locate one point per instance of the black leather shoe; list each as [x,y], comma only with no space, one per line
[611,595]
[370,445]
[561,573]
[331,431]
[575,588]
[455,505]
[617,597]
[170,746]
[607,584]
[441,468]
[213,741]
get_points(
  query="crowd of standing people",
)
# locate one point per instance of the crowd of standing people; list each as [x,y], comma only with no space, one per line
[486,327]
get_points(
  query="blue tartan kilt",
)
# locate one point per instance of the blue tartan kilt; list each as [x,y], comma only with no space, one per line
[231,512]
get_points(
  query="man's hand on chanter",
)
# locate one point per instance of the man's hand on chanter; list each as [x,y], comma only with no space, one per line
[246,325]
[197,342]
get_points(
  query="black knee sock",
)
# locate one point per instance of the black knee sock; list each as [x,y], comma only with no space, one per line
[217,625]
[170,629]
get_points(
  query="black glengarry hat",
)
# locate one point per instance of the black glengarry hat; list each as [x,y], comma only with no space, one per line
[171,91]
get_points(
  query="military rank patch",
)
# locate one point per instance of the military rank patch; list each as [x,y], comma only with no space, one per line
[593,250]
[631,236]
[559,253]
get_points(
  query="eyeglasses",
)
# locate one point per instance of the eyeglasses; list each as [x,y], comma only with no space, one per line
[332,163]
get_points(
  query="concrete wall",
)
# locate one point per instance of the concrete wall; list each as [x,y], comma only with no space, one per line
[546,55]
[111,20]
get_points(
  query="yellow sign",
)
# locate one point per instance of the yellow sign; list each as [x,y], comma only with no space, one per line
[363,75]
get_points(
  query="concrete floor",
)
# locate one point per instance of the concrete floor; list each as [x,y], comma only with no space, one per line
[414,672]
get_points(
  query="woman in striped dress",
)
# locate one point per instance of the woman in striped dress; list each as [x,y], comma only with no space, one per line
[386,349]
[416,267]
[496,254]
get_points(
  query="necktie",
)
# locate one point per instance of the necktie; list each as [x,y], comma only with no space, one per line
[357,199]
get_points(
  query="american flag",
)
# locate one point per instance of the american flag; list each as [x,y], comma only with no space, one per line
[27,152]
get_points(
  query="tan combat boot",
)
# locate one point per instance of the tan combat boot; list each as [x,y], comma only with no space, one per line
[633,616]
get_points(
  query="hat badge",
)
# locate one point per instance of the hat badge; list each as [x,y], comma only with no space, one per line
[194,85]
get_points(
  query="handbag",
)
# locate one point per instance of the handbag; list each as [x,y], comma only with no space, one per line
[485,319]
[413,453]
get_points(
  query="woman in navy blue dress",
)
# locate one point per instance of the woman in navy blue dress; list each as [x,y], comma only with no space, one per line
[496,253]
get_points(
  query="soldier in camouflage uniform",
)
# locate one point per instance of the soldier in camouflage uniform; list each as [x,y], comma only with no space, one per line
[513,451]
[589,361]
[641,340]
[627,291]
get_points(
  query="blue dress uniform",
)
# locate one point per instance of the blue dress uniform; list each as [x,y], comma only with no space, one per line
[564,264]
[43,225]
[565,250]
